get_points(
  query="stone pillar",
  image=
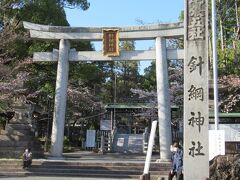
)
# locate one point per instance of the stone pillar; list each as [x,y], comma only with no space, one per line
[60,99]
[164,108]
[196,110]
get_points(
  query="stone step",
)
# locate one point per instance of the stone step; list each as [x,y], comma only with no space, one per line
[19,148]
[5,137]
[18,127]
[17,132]
[4,132]
[117,177]
[90,174]
[83,174]
[80,170]
[11,148]
[11,154]
[77,168]
[21,131]
[81,162]
[16,144]
[17,153]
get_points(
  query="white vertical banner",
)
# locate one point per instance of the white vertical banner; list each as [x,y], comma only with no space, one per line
[196,161]
[216,143]
[90,139]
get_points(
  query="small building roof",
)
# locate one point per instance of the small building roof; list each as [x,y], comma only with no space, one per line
[133,106]
[225,115]
[150,105]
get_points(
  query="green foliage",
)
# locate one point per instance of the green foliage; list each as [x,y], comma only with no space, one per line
[67,145]
[89,73]
[82,46]
[92,127]
[83,4]
[39,11]
[228,46]
[181,16]
[229,61]
[127,75]
[2,123]
[48,88]
[149,78]
[118,77]
[127,45]
[40,46]
[3,106]
[20,48]
[43,12]
[175,75]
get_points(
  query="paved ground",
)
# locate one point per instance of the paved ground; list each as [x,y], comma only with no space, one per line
[58,178]
[89,156]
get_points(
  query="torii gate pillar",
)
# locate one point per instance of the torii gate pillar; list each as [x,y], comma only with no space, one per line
[60,99]
[163,98]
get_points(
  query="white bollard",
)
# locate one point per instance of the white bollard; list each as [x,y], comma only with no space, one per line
[150,147]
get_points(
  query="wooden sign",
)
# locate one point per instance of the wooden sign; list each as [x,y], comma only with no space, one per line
[111,42]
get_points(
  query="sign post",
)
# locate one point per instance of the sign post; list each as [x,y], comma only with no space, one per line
[196,161]
[216,143]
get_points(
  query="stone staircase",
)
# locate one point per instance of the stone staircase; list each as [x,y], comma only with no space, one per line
[94,169]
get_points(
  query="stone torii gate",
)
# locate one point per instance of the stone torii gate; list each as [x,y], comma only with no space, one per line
[161,54]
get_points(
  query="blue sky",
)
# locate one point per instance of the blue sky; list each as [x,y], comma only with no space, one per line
[126,13]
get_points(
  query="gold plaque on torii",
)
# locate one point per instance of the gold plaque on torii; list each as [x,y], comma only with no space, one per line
[110,42]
